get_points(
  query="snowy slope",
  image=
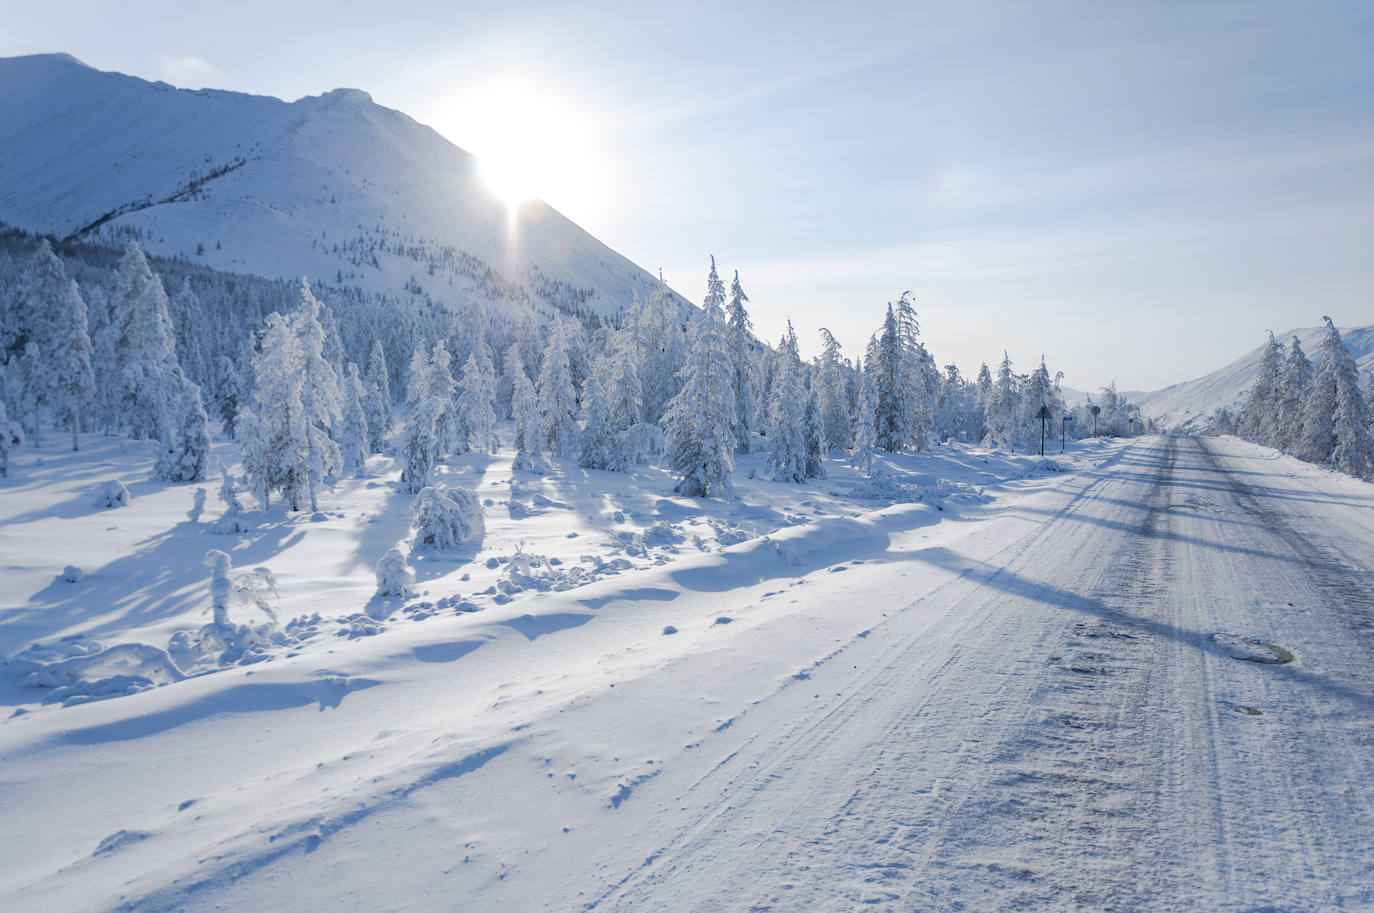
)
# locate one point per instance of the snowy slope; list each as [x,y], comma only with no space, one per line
[331,186]
[1188,406]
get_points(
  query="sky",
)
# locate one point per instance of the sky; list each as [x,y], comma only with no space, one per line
[1135,191]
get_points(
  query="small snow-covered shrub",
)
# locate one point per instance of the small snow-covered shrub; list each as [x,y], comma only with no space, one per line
[446,517]
[113,493]
[394,576]
[232,521]
[221,587]
[71,573]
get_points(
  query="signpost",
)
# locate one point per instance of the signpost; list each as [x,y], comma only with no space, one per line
[1096,411]
[1044,417]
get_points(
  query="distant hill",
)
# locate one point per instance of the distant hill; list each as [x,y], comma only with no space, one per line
[1189,405]
[334,186]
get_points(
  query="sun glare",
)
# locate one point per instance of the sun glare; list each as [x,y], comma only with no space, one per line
[529,144]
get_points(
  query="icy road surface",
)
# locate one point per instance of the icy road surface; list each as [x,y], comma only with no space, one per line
[1143,687]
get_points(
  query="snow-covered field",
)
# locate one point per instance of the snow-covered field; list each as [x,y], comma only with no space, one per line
[1136,678]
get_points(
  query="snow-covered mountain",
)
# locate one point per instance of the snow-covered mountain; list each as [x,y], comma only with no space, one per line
[331,186]
[1188,406]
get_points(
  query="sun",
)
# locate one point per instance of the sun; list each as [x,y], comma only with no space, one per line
[529,143]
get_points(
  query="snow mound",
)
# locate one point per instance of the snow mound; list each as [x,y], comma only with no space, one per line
[1253,651]
[113,493]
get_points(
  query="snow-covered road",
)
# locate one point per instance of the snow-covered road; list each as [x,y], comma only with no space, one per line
[1148,686]
[1075,738]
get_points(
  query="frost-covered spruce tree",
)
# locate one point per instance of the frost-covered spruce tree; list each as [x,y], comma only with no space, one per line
[420,447]
[1004,408]
[28,375]
[446,517]
[146,368]
[887,365]
[1336,431]
[741,348]
[431,381]
[699,443]
[1295,385]
[982,388]
[786,429]
[1259,416]
[529,431]
[272,423]
[833,395]
[10,438]
[813,437]
[190,332]
[476,403]
[321,401]
[69,360]
[188,459]
[920,376]
[863,435]
[1039,393]
[557,399]
[656,326]
[355,434]
[634,438]
[377,403]
[228,396]
[598,448]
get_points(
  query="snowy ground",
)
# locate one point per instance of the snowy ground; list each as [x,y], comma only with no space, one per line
[1142,684]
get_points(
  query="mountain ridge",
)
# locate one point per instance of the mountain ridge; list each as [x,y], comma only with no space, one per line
[332,186]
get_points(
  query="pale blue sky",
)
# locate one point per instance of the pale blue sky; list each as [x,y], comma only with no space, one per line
[1136,190]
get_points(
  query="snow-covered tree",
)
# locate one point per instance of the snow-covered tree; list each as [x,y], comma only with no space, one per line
[1259,416]
[887,366]
[228,396]
[813,438]
[69,359]
[446,517]
[1039,393]
[700,444]
[476,403]
[10,438]
[1004,408]
[634,438]
[557,399]
[377,404]
[529,432]
[786,426]
[741,347]
[188,457]
[1336,428]
[420,447]
[354,434]
[598,446]
[232,521]
[146,368]
[1295,385]
[864,433]
[833,395]
[272,421]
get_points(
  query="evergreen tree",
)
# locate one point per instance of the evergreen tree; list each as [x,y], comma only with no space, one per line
[10,438]
[188,459]
[272,424]
[813,438]
[864,434]
[598,448]
[786,429]
[420,448]
[321,402]
[833,397]
[146,368]
[557,399]
[228,394]
[699,443]
[1295,385]
[1336,429]
[476,412]
[887,364]
[1259,416]
[741,339]
[529,432]
[634,438]
[1004,408]
[377,403]
[355,435]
